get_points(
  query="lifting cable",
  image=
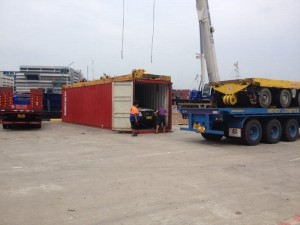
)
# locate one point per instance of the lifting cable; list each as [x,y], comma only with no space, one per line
[153,29]
[123,25]
[123,29]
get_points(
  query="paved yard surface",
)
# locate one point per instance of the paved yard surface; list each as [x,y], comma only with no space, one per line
[71,174]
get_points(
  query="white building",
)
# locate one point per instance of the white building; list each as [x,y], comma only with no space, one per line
[6,81]
[51,78]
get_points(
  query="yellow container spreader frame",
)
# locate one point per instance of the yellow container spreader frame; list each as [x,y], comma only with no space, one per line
[136,74]
[282,89]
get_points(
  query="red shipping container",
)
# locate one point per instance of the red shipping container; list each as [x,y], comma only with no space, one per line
[106,103]
[90,105]
[36,99]
[6,98]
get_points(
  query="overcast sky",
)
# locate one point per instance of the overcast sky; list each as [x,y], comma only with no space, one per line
[262,35]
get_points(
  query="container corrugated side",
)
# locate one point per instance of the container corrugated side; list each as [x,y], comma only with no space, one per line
[6,98]
[36,99]
[90,105]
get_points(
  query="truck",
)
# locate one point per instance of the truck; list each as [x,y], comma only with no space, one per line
[248,125]
[18,110]
[251,110]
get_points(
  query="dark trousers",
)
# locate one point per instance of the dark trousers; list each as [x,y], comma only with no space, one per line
[161,120]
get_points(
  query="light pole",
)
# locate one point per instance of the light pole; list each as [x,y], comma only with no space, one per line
[70,64]
[69,72]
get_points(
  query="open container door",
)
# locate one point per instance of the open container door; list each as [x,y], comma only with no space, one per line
[122,93]
[152,94]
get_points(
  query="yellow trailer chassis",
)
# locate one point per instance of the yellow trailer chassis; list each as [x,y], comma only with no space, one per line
[257,92]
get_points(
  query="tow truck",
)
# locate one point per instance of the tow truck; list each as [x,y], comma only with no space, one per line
[19,110]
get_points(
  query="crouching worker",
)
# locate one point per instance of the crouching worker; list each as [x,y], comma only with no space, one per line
[161,119]
[134,119]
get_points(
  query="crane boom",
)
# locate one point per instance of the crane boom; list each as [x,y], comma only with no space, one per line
[209,68]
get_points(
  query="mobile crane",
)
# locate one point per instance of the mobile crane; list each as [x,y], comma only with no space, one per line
[209,68]
[248,116]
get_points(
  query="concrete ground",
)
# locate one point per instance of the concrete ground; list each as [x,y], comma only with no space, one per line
[72,174]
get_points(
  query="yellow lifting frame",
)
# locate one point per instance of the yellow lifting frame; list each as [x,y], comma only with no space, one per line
[234,86]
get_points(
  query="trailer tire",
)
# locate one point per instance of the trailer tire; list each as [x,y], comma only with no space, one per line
[284,99]
[272,131]
[265,98]
[290,130]
[251,132]
[212,137]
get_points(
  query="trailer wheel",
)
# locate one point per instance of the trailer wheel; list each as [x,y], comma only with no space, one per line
[4,126]
[290,130]
[212,137]
[252,132]
[285,98]
[272,131]
[264,98]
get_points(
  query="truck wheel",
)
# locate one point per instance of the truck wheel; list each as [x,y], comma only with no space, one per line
[251,132]
[272,131]
[290,130]
[264,98]
[212,137]
[284,99]
[4,126]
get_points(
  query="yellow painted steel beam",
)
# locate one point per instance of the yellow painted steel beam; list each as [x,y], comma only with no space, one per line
[229,88]
[277,83]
